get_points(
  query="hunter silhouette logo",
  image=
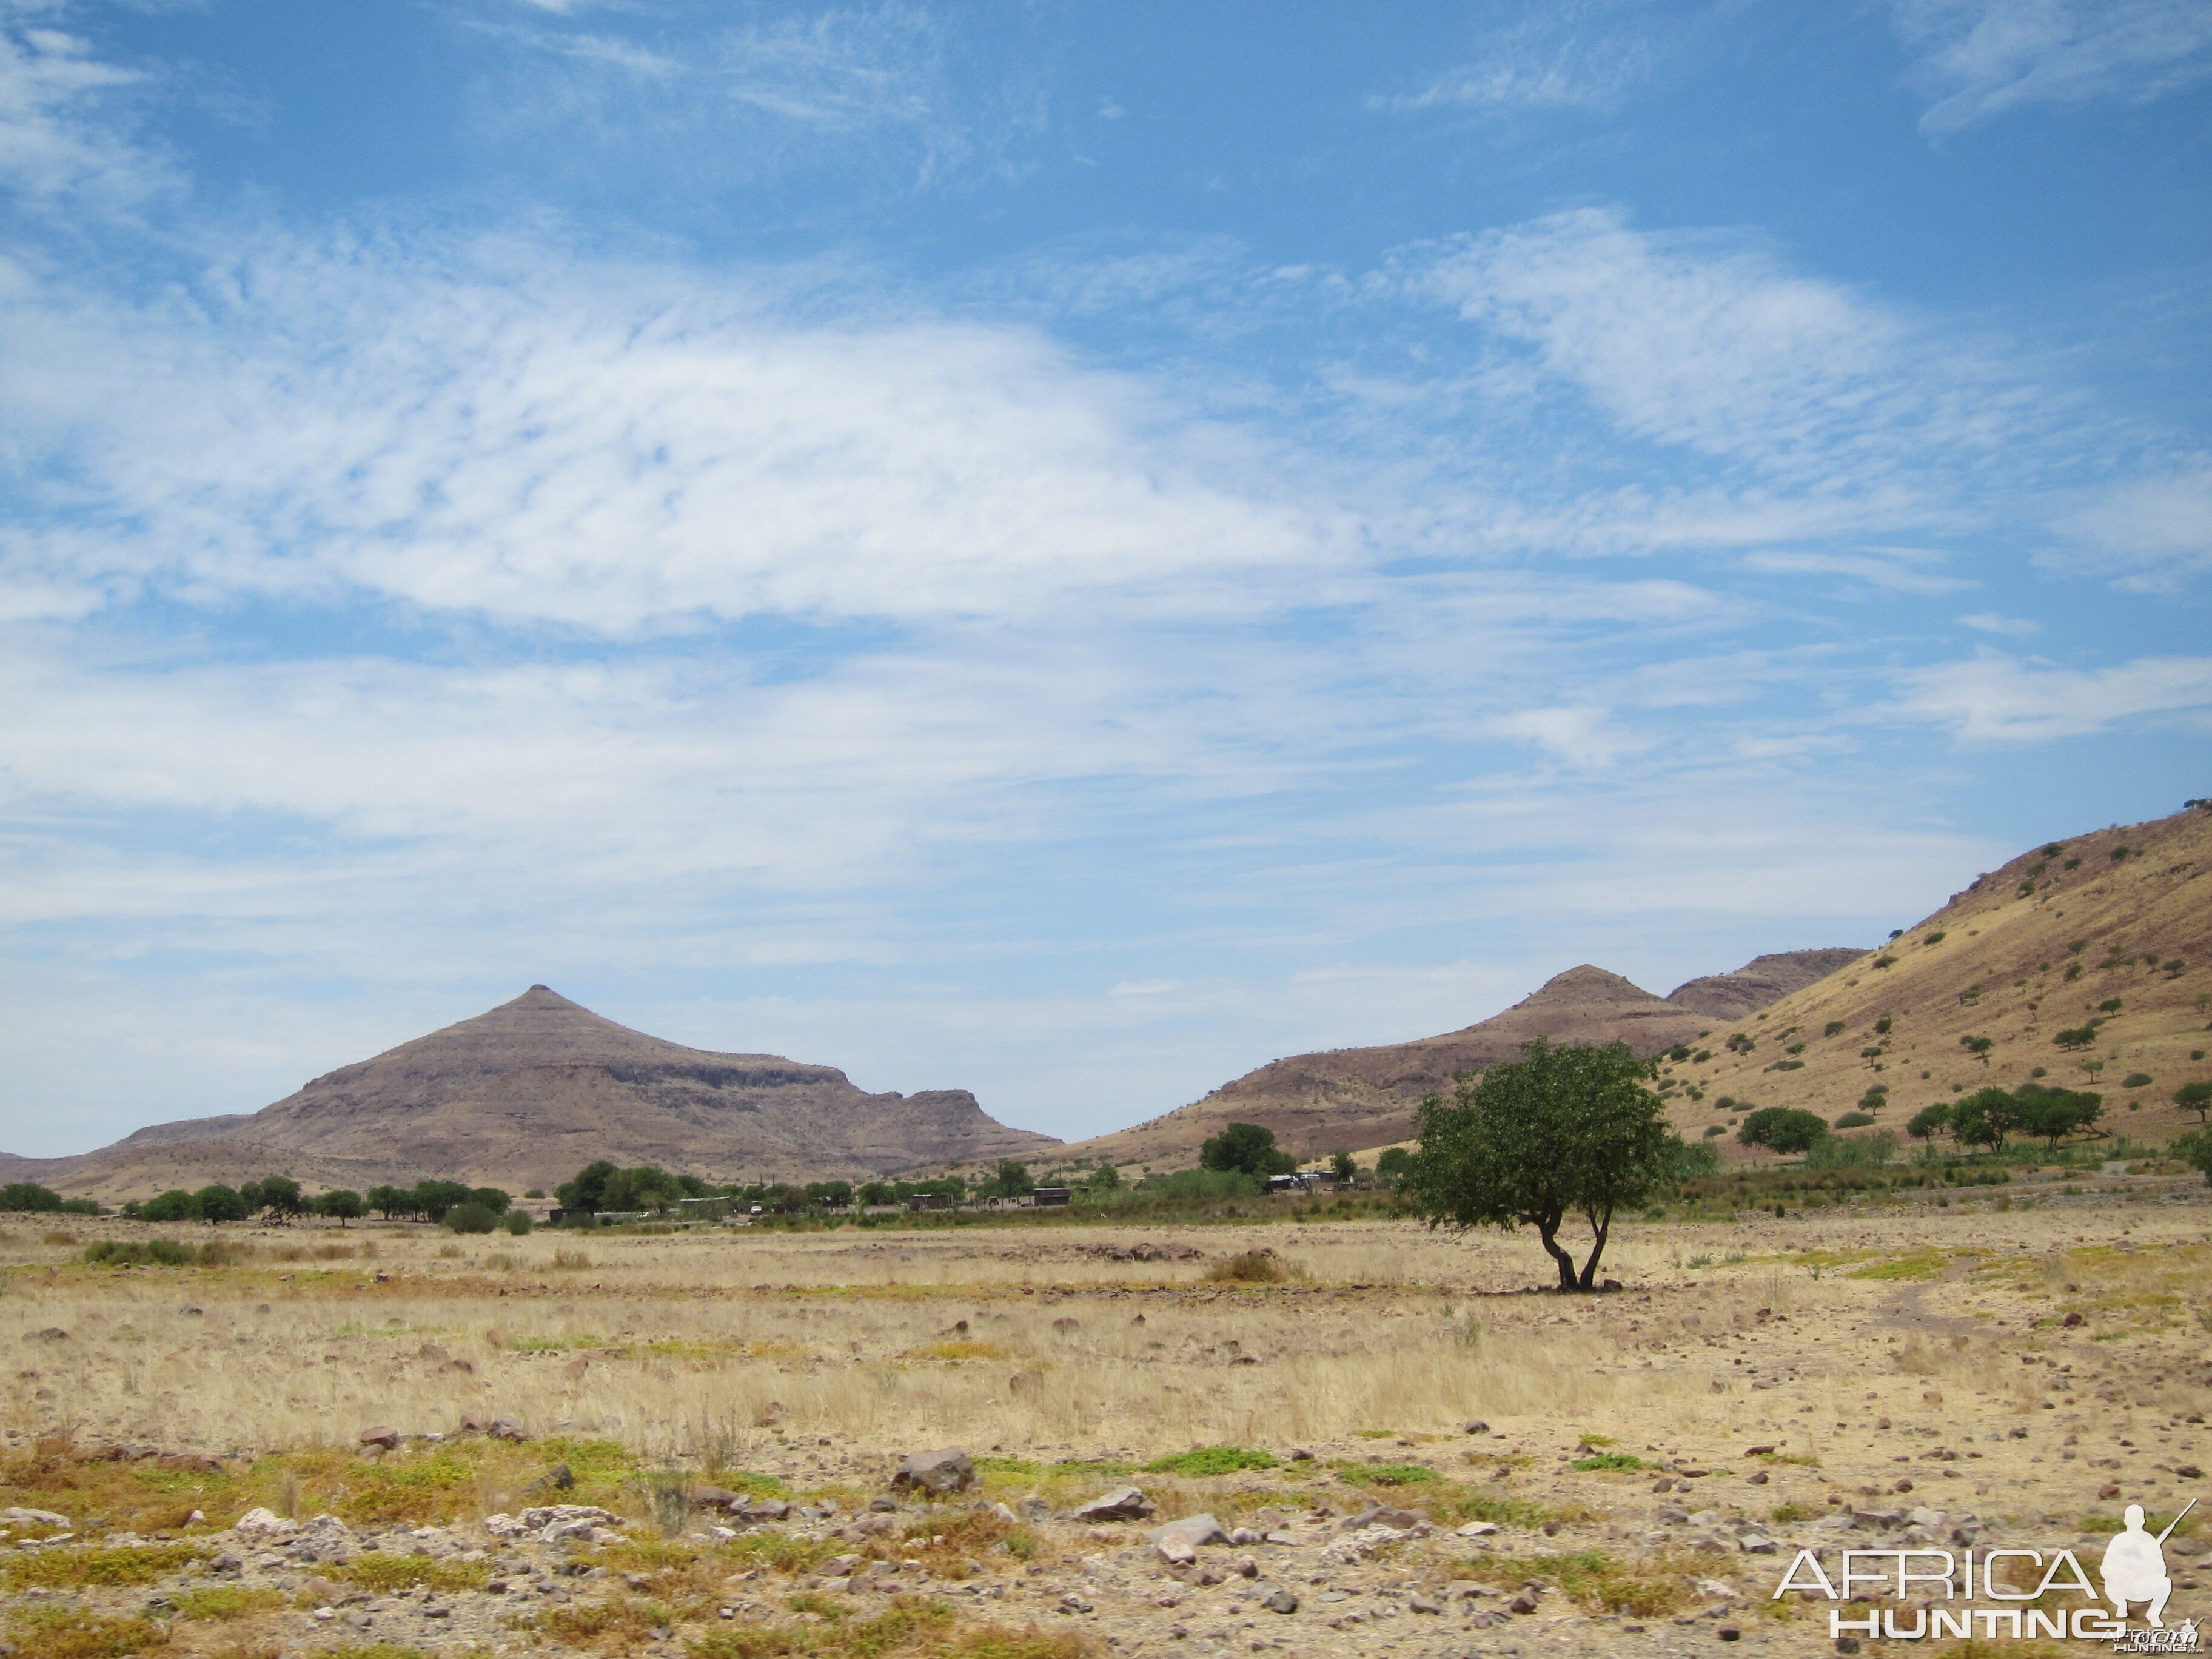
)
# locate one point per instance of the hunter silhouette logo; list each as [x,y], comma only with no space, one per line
[2134,1567]
[1927,1592]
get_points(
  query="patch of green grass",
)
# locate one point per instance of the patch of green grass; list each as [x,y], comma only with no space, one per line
[1376,1434]
[220,1603]
[923,1630]
[1103,1468]
[1604,1461]
[67,1569]
[1643,1589]
[1454,1505]
[78,1633]
[1390,1474]
[1914,1264]
[381,1572]
[1210,1461]
[1009,1465]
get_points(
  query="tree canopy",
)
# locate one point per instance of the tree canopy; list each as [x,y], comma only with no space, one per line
[1782,1129]
[1563,1131]
[1247,1148]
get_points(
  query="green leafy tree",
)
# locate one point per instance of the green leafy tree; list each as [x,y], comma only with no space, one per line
[643,1188]
[2054,1113]
[1393,1164]
[1979,1047]
[1695,1158]
[516,1222]
[1011,1180]
[342,1205]
[388,1201]
[2075,1036]
[492,1198]
[1559,1132]
[469,1217]
[582,1195]
[834,1194]
[275,1195]
[2195,1097]
[1929,1122]
[874,1195]
[29,1197]
[431,1198]
[1247,1148]
[1104,1179]
[1343,1167]
[1782,1129]
[218,1204]
[173,1206]
[2195,1149]
[1985,1118]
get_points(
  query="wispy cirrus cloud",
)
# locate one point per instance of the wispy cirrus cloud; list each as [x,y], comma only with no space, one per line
[1979,59]
[63,130]
[1565,57]
[1995,698]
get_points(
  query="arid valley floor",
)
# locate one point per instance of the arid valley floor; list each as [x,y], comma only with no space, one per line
[1895,1372]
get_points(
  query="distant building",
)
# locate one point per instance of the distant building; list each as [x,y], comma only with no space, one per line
[1049,1197]
[929,1201]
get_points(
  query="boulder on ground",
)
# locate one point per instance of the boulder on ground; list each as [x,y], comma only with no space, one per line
[14,1516]
[381,1434]
[506,1428]
[1178,1541]
[945,1471]
[1122,1503]
[1378,1515]
[266,1523]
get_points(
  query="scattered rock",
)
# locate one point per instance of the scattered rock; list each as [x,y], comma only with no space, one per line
[949,1470]
[1122,1503]
[1178,1542]
[265,1523]
[50,1334]
[506,1428]
[23,1517]
[1279,1601]
[1478,1529]
[380,1435]
[1524,1603]
[1476,1425]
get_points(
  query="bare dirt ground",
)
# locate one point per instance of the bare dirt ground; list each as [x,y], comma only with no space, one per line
[1886,1376]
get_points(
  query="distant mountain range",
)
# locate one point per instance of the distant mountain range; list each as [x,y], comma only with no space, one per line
[2114,926]
[1356,1098]
[527,1094]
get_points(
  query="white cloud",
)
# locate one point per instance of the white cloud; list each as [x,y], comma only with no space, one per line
[1993,698]
[60,130]
[1898,576]
[1143,988]
[1581,736]
[2155,530]
[567,452]
[1562,55]
[1708,343]
[1981,59]
[1990,622]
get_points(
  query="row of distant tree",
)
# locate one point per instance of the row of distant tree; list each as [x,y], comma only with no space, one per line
[279,1198]
[605,1189]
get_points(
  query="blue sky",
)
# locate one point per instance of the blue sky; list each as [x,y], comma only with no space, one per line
[1064,550]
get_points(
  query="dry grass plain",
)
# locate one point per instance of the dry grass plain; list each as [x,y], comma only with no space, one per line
[1866,1347]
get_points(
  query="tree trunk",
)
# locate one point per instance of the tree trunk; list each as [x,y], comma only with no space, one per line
[1601,1226]
[1548,1230]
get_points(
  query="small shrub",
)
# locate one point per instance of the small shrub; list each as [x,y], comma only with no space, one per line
[1212,1461]
[1936,938]
[471,1218]
[571,1260]
[1614,1461]
[2136,1080]
[1260,1266]
[517,1222]
[1853,1121]
[1832,1028]
[381,1572]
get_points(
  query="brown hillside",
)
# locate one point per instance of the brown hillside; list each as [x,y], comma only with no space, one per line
[1363,1098]
[527,1094]
[2027,950]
